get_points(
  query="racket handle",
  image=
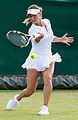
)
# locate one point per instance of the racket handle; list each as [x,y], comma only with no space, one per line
[35,35]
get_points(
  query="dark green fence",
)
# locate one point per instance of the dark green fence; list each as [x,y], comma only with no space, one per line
[63,15]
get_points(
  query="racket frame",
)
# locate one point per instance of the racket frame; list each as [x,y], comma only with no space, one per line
[23,34]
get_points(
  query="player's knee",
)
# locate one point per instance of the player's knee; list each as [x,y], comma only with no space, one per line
[31,91]
[48,80]
[48,77]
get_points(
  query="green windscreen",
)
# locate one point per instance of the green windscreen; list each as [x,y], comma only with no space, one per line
[63,15]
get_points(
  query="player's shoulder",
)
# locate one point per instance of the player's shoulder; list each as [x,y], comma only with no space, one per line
[31,27]
[46,20]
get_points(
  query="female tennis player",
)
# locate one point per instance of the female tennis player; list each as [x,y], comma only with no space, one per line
[44,62]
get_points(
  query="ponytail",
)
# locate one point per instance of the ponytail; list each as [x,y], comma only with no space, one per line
[27,21]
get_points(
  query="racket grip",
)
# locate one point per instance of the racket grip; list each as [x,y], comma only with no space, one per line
[35,35]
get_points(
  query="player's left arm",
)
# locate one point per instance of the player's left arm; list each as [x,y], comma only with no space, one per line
[64,39]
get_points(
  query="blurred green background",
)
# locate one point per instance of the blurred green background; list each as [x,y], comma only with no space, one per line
[63,15]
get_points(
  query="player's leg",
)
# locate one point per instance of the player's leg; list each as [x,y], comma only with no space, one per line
[32,78]
[47,75]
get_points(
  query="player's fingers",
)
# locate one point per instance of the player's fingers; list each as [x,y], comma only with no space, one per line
[67,43]
[71,37]
[65,35]
[70,40]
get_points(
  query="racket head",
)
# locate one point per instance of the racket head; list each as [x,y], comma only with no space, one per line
[18,38]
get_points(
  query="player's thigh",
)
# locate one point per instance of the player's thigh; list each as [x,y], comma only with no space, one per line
[32,78]
[48,73]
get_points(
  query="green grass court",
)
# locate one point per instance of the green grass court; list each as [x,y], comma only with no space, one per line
[63,105]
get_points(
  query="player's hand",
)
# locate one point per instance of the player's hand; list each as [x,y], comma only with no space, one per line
[39,38]
[41,35]
[67,40]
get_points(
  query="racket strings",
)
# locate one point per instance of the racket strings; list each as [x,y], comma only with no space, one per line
[18,39]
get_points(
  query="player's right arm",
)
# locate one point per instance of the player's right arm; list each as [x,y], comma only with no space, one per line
[39,38]
[34,31]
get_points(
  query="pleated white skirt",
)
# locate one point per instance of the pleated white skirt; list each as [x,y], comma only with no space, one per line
[41,62]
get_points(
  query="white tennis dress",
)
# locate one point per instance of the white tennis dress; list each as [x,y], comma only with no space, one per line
[42,49]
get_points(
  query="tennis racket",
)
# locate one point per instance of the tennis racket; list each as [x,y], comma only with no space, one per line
[20,39]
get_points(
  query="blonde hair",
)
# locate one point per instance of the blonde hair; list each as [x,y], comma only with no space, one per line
[27,21]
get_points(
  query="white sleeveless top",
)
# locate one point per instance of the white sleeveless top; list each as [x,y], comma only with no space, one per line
[42,49]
